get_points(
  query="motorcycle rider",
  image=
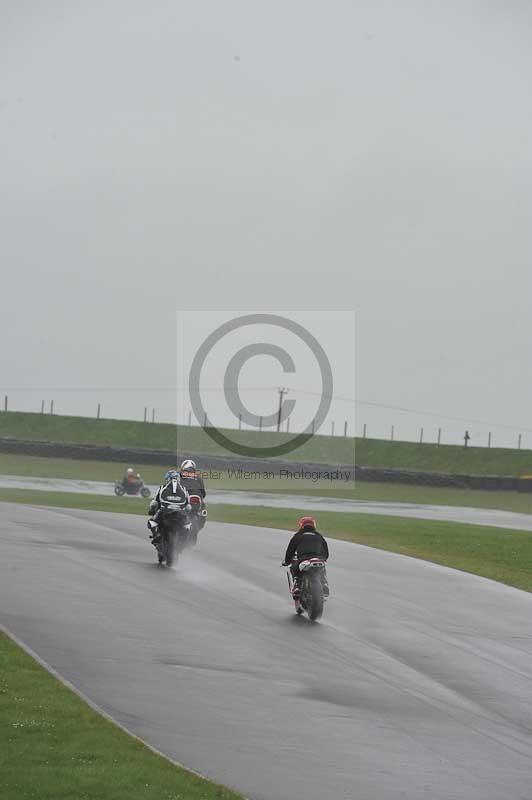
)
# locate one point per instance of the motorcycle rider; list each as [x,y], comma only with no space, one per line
[131,477]
[193,483]
[190,478]
[307,542]
[172,489]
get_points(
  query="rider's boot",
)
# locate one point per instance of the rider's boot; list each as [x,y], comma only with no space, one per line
[296,589]
[154,532]
[325,585]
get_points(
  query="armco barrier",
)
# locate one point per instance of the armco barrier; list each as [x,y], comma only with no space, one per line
[166,458]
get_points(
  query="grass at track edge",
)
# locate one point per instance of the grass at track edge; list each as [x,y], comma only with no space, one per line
[55,745]
[500,554]
[88,470]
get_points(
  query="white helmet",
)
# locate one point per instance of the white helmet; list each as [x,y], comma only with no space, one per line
[188,466]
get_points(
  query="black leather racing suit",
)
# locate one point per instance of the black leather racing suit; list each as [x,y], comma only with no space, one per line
[171,491]
[194,485]
[306,543]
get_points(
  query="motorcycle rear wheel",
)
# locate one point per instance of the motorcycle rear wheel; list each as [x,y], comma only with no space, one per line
[315,609]
[171,554]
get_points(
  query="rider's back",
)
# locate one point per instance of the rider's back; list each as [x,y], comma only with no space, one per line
[309,543]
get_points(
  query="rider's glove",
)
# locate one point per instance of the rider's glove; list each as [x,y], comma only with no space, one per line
[188,507]
[284,564]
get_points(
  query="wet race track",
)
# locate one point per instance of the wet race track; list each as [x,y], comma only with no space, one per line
[417,683]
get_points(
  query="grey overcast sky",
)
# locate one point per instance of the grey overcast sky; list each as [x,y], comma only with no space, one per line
[373,156]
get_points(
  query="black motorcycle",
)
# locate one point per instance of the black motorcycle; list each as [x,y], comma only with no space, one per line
[123,487]
[197,517]
[173,531]
[312,582]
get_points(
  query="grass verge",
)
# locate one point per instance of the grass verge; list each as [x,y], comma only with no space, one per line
[44,467]
[55,747]
[498,553]
[327,449]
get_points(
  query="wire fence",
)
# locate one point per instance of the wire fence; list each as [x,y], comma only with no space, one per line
[474,433]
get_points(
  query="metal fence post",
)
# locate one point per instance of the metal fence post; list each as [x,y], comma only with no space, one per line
[519,442]
[391,434]
[439,435]
[153,415]
[98,412]
[260,423]
[489,439]
[51,406]
[5,403]
[205,420]
[421,436]
[364,431]
[42,406]
[345,428]
[145,413]
[240,422]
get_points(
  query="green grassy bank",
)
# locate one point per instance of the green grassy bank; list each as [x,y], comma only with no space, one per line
[327,449]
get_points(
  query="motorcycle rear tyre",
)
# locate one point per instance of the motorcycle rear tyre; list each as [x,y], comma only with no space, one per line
[316,599]
[171,554]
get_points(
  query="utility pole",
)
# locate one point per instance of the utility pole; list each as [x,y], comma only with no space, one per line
[282,393]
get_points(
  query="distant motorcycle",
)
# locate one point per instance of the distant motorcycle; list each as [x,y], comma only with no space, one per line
[312,580]
[137,488]
[197,517]
[173,532]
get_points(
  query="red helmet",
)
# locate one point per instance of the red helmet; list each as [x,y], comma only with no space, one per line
[307,522]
